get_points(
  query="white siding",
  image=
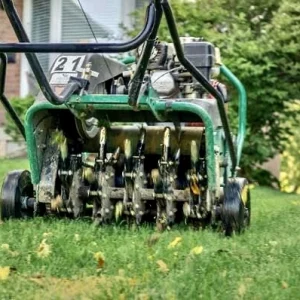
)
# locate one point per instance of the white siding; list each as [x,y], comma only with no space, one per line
[41,27]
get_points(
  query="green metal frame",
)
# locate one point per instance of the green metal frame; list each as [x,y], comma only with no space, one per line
[242,110]
[119,103]
[149,103]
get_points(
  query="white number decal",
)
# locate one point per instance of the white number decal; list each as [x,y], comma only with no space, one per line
[68,64]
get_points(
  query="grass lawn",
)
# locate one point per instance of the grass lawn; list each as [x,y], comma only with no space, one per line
[62,259]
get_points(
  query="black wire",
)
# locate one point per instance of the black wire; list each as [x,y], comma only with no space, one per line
[87,20]
[91,28]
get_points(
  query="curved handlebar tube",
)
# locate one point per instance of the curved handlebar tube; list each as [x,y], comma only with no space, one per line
[138,77]
[27,47]
[242,109]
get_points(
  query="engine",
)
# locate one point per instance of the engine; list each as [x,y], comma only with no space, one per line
[169,78]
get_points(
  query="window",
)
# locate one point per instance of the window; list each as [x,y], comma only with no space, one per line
[41,27]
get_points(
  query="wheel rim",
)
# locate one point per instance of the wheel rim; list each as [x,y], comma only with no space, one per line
[16,185]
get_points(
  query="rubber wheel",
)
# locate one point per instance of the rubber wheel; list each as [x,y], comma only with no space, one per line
[16,185]
[236,211]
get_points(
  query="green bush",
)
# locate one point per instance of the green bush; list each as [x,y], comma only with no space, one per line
[20,105]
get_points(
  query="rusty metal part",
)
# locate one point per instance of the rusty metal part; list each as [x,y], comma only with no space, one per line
[146,194]
[139,179]
[179,138]
[103,207]
[75,201]
[46,187]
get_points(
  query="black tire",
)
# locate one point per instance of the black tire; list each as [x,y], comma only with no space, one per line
[16,185]
[236,211]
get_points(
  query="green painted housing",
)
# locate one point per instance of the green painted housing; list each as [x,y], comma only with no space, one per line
[150,104]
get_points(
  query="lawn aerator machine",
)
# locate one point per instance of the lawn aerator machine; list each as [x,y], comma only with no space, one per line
[144,139]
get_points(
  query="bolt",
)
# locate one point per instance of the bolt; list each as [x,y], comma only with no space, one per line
[106,210]
[137,206]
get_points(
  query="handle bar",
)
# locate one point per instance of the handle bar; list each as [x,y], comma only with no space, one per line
[29,49]
[26,47]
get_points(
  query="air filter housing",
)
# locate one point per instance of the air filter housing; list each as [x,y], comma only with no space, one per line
[202,55]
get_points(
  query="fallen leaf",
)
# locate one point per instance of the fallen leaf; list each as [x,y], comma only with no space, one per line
[76,237]
[122,297]
[224,273]
[132,282]
[47,234]
[296,203]
[143,297]
[162,266]
[175,243]
[44,249]
[284,285]
[4,273]
[5,246]
[242,290]
[273,243]
[196,250]
[100,259]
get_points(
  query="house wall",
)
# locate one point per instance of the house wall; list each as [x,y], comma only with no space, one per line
[7,35]
[12,87]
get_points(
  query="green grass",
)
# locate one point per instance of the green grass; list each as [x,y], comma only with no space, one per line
[7,165]
[263,263]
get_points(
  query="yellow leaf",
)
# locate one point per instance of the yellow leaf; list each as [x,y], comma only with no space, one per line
[196,250]
[76,237]
[242,290]
[47,234]
[284,285]
[176,242]
[5,247]
[162,266]
[4,273]
[122,297]
[44,249]
[100,259]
